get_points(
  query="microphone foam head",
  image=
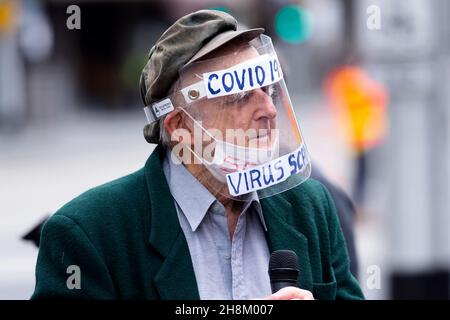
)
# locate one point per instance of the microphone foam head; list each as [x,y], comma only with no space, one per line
[283,259]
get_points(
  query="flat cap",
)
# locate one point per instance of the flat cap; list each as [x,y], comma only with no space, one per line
[187,40]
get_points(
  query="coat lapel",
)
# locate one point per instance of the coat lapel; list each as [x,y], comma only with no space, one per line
[283,236]
[176,278]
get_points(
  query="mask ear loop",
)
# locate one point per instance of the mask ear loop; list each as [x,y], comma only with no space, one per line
[199,158]
[198,123]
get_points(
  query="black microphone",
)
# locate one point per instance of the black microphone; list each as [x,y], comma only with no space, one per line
[283,269]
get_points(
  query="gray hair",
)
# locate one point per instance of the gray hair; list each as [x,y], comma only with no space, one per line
[164,137]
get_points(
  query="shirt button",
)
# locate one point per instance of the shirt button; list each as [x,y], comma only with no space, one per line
[227,256]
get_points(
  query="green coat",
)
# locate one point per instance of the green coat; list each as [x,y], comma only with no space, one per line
[126,239]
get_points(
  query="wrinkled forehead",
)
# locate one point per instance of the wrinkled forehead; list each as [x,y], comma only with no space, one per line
[220,59]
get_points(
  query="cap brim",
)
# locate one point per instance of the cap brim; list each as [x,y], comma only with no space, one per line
[223,38]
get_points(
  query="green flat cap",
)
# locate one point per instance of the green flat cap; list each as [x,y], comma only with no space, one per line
[189,39]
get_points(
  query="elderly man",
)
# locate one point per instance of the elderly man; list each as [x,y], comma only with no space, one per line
[226,186]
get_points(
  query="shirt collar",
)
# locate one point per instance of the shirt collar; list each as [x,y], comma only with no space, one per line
[253,199]
[192,196]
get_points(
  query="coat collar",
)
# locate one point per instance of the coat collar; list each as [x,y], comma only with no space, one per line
[176,277]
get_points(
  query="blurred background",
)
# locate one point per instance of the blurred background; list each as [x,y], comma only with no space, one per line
[369,81]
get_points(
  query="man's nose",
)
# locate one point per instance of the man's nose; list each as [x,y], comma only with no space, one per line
[264,105]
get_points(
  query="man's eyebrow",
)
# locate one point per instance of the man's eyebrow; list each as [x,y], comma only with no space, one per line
[240,95]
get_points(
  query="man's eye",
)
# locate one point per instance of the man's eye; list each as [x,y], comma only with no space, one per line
[242,97]
[271,90]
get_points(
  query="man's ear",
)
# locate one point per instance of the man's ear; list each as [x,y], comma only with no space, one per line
[174,125]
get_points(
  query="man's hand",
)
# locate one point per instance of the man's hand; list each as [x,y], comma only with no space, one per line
[291,293]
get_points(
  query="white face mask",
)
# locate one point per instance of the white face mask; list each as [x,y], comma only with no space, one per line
[229,158]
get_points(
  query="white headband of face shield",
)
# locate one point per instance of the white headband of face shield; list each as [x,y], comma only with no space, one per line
[255,73]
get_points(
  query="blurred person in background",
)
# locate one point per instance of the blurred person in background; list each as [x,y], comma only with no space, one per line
[197,223]
[346,212]
[360,104]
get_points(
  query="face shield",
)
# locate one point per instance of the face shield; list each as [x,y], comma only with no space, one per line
[237,121]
